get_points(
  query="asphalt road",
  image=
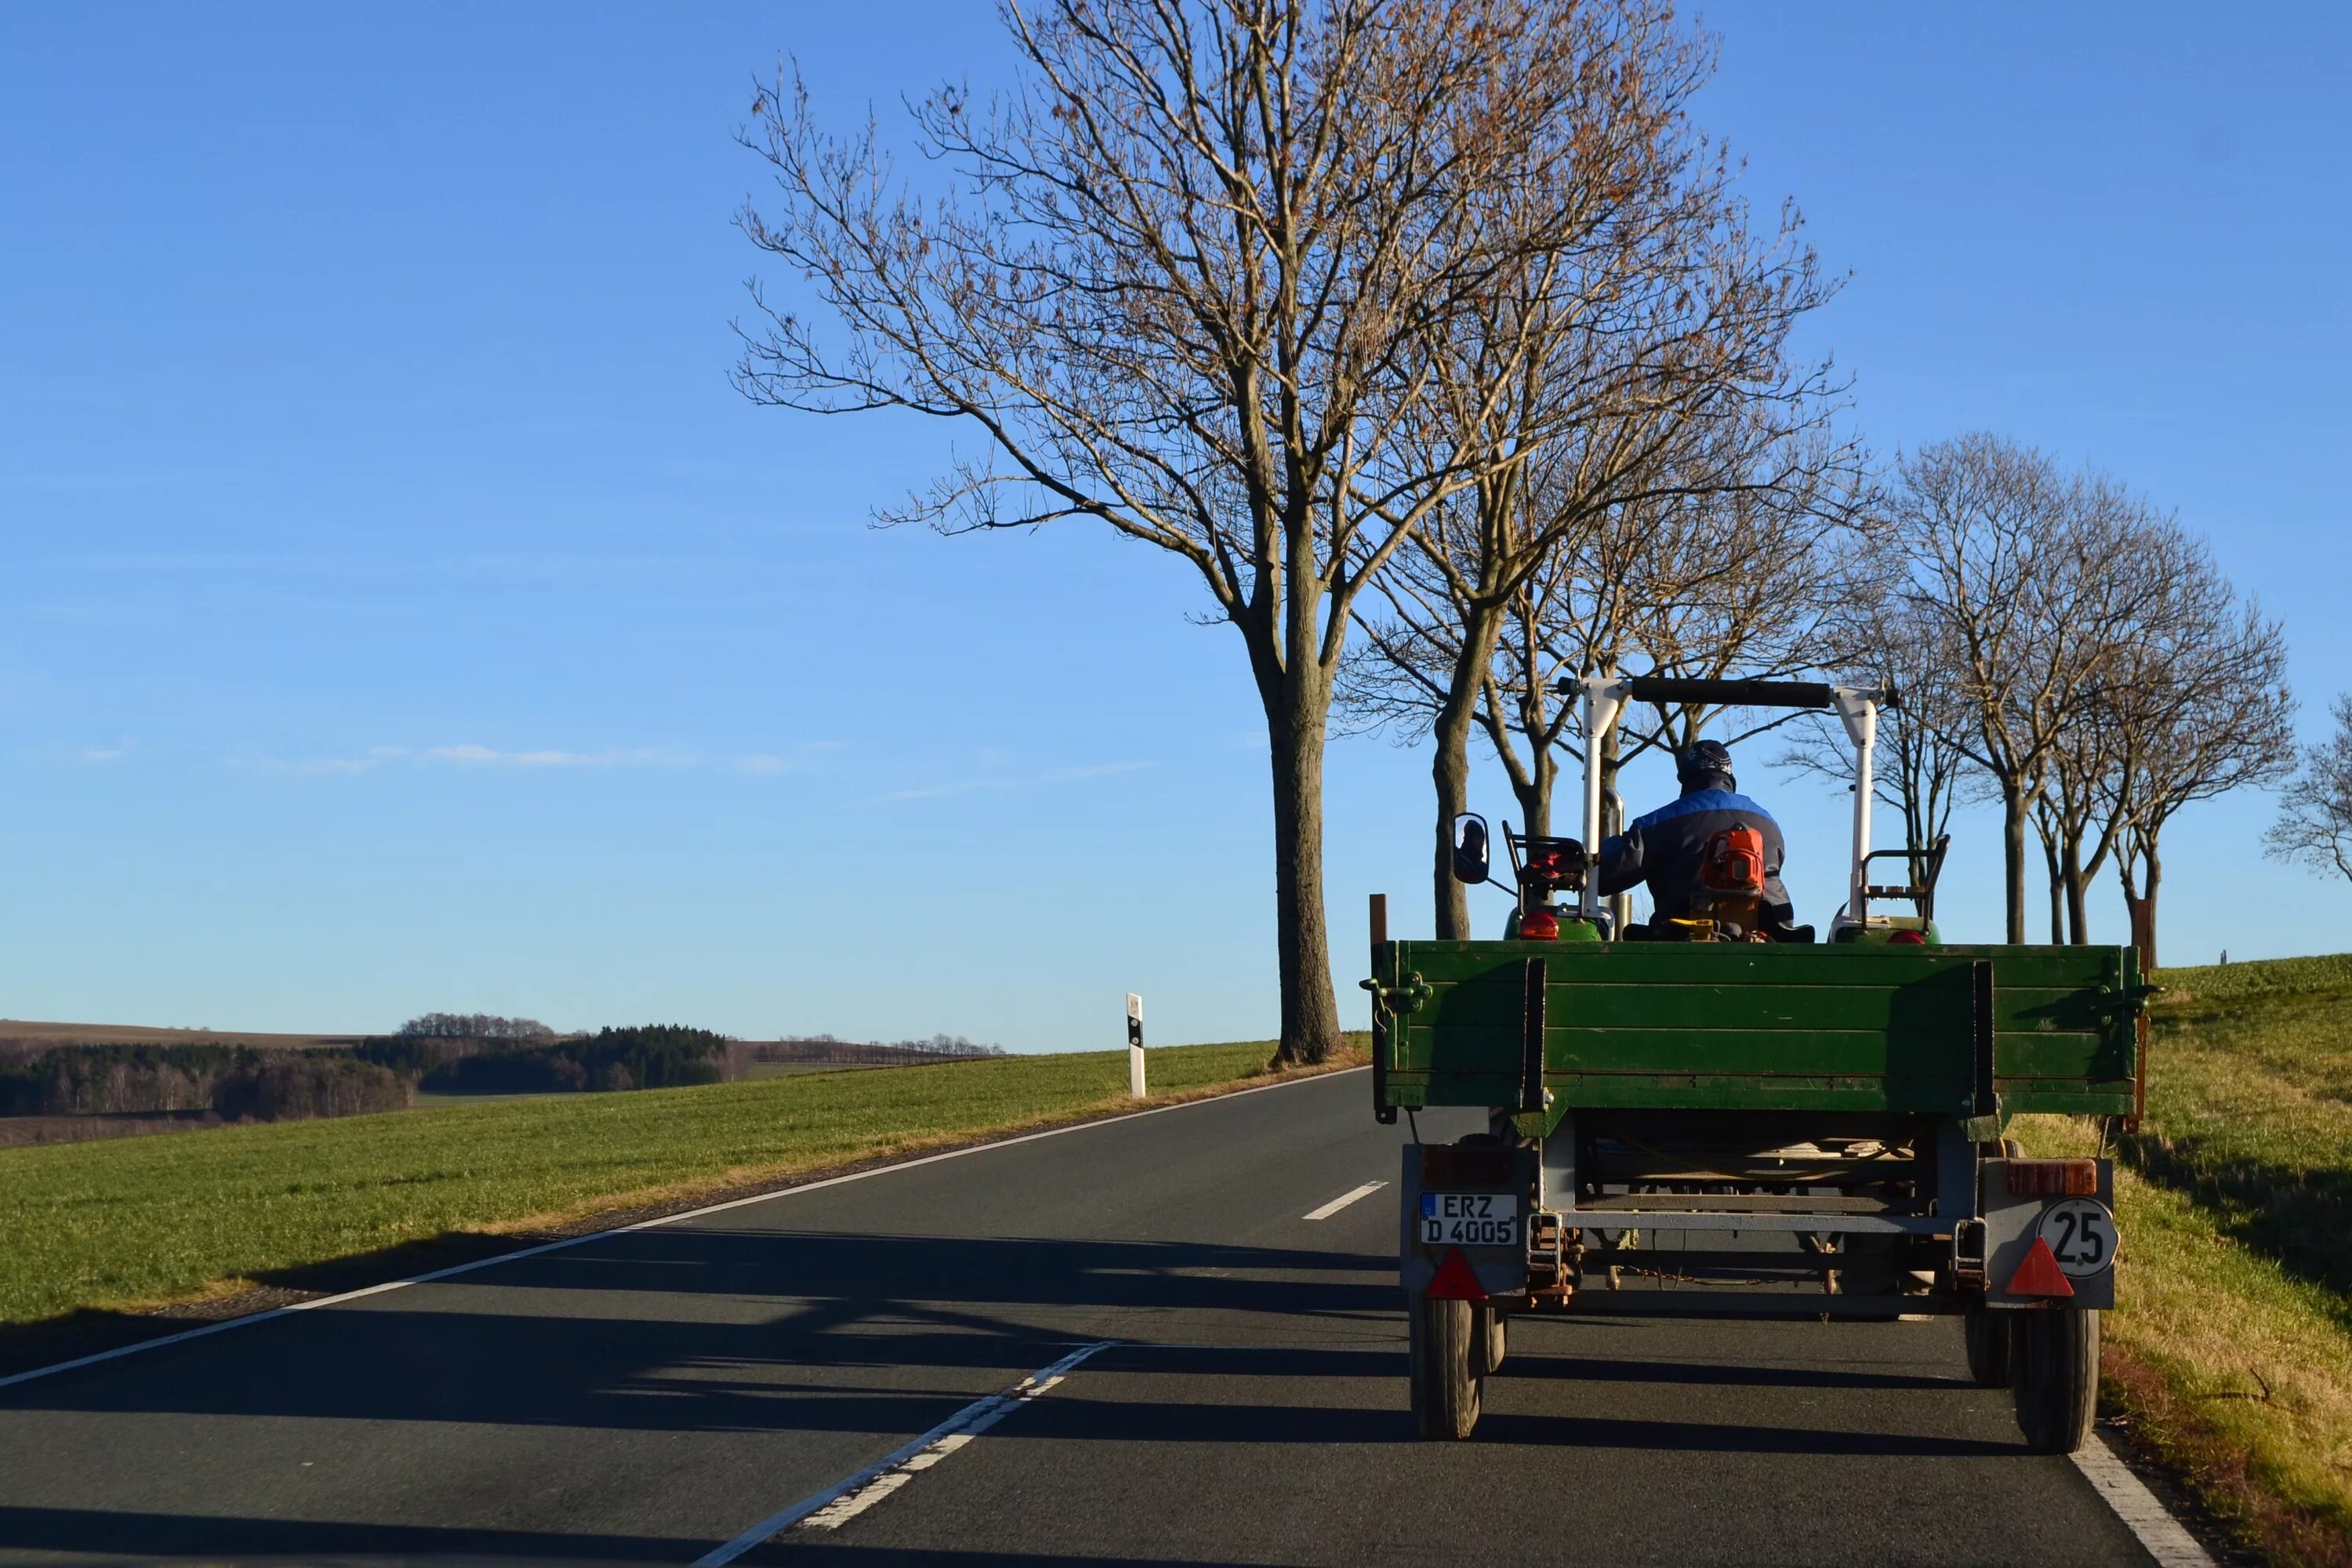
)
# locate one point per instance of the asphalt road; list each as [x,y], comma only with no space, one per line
[645,1397]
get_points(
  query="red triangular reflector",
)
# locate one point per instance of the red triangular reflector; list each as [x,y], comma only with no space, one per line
[2039,1275]
[1457,1281]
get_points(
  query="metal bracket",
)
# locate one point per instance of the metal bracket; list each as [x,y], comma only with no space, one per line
[1970,1246]
[1401,1001]
[1531,1038]
[1983,1099]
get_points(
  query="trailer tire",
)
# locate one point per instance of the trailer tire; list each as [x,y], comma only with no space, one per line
[1991,1337]
[2056,1357]
[1446,1382]
[1493,1339]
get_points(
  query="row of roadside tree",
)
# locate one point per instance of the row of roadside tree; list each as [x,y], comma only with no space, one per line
[1446,349]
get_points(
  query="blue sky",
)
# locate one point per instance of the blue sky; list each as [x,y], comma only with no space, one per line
[400,612]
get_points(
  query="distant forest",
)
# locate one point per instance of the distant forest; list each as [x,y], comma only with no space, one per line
[872,1053]
[237,1082]
[655,1055]
[449,1053]
[473,1026]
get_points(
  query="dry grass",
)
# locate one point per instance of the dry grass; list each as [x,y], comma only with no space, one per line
[2232,1342]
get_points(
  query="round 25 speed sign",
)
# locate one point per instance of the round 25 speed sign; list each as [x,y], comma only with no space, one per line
[2081,1234]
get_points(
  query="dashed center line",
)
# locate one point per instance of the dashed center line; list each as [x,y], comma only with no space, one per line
[1343,1200]
[847,1499]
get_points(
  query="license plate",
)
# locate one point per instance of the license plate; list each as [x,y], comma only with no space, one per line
[1470,1219]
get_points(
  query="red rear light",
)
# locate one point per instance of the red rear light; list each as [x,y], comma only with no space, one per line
[1538,925]
[2053,1178]
[1906,939]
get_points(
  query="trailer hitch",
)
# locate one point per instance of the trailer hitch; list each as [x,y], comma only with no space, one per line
[1402,1000]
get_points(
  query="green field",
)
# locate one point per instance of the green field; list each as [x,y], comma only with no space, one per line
[2231,1342]
[144,1220]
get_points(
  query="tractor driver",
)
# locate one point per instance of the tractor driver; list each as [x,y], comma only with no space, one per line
[1667,847]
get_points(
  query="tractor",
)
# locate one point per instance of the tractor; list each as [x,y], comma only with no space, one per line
[1704,1118]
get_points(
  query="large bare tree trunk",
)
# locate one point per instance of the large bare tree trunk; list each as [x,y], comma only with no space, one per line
[1297,709]
[2143,915]
[2013,860]
[1535,800]
[2078,912]
[2057,877]
[1450,769]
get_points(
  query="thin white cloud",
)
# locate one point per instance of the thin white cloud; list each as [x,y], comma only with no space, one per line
[313,767]
[477,756]
[767,764]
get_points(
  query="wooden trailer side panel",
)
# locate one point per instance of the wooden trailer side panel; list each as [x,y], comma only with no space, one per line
[1744,1028]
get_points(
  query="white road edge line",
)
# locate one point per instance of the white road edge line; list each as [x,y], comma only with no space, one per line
[454,1269]
[1343,1200]
[2158,1531]
[847,1499]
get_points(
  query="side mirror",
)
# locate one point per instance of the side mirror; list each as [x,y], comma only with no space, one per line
[1469,848]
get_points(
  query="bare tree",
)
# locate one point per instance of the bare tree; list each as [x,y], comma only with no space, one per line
[1728,560]
[2085,773]
[2314,824]
[1921,770]
[2028,577]
[1193,288]
[1641,327]
[1751,579]
[2202,708]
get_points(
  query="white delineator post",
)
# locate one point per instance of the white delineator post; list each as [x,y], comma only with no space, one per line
[1134,1045]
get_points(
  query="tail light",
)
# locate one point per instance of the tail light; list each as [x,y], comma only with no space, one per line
[1906,939]
[2053,1178]
[1538,925]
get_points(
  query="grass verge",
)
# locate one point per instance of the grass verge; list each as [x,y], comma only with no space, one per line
[141,1222]
[2230,1347]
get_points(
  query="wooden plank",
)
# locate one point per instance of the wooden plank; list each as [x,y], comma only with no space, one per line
[1719,1026]
[1842,1052]
[1569,1047]
[1705,1092]
[2059,969]
[2061,1056]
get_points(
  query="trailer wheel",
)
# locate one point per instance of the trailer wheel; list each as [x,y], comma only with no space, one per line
[1990,1335]
[2056,1357]
[1493,1342]
[1447,1354]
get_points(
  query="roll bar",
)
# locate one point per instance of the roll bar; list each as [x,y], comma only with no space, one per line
[1857,707]
[1734,693]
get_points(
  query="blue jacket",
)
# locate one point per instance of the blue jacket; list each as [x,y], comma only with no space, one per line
[1663,849]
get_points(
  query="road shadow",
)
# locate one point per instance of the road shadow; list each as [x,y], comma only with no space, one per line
[178,1537]
[698,1329]
[1708,1374]
[799,1550]
[1074,1417]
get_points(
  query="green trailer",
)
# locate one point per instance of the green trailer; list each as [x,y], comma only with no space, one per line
[1753,1128]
